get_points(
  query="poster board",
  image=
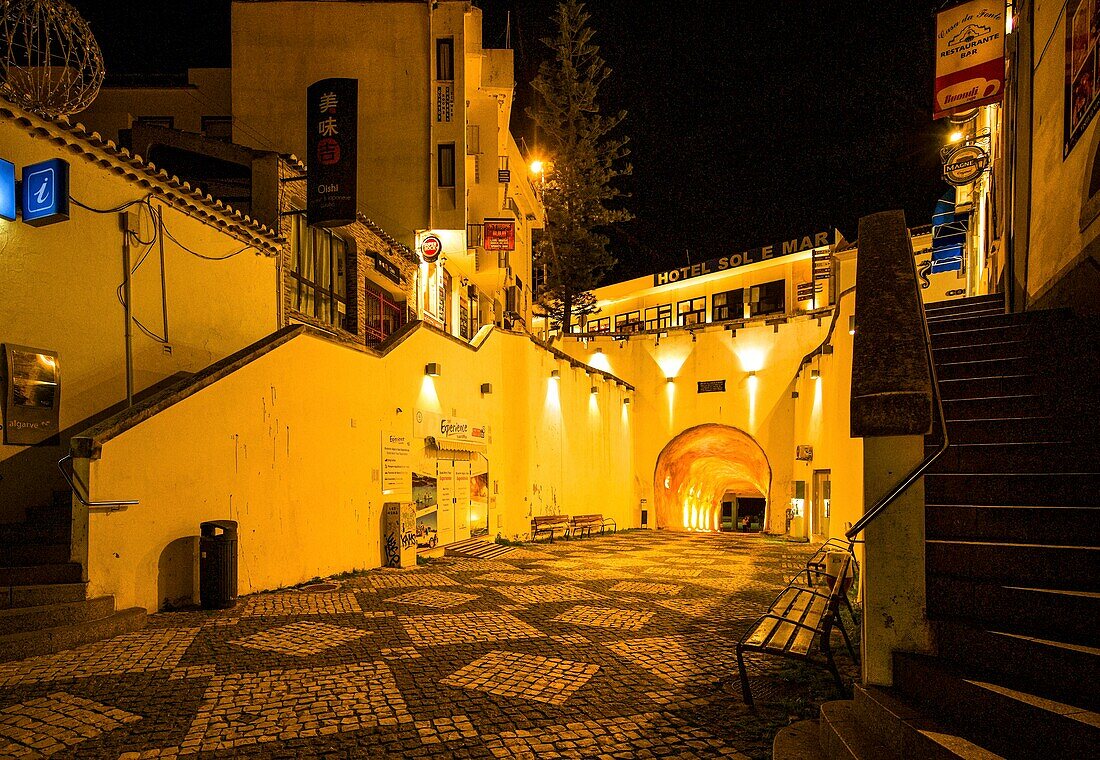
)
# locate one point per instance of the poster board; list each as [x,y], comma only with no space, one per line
[32,399]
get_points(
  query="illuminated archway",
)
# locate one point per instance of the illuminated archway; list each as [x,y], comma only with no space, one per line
[698,467]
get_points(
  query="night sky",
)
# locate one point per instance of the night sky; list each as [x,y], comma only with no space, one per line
[749,122]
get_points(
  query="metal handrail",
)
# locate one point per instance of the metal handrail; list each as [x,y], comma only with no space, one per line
[918,472]
[73,480]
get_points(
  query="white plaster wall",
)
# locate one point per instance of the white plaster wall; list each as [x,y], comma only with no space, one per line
[289,446]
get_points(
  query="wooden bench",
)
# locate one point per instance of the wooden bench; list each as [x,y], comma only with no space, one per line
[793,620]
[583,524]
[549,524]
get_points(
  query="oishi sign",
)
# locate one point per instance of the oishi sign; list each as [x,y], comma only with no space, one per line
[970,52]
[332,110]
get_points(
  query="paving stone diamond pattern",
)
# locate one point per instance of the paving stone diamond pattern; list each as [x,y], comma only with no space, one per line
[511,674]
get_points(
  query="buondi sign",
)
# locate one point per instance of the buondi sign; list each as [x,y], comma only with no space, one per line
[970,56]
[744,258]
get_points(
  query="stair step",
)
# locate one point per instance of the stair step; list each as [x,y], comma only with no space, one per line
[1045,320]
[1022,524]
[35,595]
[1033,456]
[1013,723]
[798,741]
[1066,672]
[17,646]
[908,733]
[1059,489]
[843,738]
[985,387]
[1001,349]
[34,575]
[995,407]
[1075,568]
[957,303]
[21,619]
[1063,614]
[940,315]
[1017,430]
[34,554]
[977,367]
[50,514]
[33,533]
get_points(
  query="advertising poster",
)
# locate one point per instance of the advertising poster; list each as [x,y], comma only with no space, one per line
[427,509]
[445,480]
[1081,92]
[970,53]
[32,407]
[463,473]
[479,498]
[396,465]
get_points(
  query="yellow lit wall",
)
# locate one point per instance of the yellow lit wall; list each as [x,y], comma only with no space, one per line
[295,457]
[60,285]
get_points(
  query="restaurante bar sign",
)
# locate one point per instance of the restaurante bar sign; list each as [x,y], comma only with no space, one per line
[744,258]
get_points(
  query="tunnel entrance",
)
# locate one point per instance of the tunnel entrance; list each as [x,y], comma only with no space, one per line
[704,468]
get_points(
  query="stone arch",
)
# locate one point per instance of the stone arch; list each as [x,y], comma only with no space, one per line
[701,464]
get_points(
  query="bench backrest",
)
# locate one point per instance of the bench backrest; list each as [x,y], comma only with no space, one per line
[588,518]
[549,519]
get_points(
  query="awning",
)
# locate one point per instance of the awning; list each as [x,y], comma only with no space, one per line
[472,447]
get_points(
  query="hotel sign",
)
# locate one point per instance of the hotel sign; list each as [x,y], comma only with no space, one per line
[332,136]
[970,56]
[500,235]
[744,258]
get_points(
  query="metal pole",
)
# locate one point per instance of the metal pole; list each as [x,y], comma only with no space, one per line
[124,222]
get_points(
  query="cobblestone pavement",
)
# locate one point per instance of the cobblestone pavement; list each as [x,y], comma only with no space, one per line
[616,646]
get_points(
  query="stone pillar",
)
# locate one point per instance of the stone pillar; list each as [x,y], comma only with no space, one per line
[894,600]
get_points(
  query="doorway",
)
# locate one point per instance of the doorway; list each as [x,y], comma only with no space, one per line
[750,514]
[822,496]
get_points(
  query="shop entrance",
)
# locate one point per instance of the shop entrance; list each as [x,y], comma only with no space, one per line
[822,496]
[705,469]
[452,499]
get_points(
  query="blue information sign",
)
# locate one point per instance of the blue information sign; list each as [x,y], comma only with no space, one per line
[7,190]
[46,192]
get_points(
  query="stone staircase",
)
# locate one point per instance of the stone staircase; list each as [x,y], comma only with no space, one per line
[43,603]
[1012,552]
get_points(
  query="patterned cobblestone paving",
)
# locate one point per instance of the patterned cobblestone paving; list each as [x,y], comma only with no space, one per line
[604,647]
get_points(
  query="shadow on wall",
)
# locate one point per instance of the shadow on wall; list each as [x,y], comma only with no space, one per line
[178,574]
[698,467]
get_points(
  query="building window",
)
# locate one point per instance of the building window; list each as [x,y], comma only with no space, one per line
[168,122]
[446,165]
[445,59]
[658,317]
[693,311]
[768,298]
[629,322]
[599,325]
[384,316]
[319,272]
[728,305]
[218,127]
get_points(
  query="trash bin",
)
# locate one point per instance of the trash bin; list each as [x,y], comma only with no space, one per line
[218,564]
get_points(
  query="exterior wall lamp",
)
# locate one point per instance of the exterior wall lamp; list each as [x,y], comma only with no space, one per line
[555,374]
[595,389]
[670,379]
[486,389]
[815,374]
[626,401]
[432,369]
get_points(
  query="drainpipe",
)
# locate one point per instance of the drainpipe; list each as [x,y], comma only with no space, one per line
[126,222]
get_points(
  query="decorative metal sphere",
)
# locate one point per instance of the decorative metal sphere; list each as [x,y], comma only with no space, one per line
[50,62]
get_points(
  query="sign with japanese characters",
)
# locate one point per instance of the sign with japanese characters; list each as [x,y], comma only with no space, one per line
[970,56]
[331,140]
[1082,98]
[500,235]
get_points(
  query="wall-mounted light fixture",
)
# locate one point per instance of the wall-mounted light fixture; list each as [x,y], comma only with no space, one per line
[752,373]
[555,374]
[815,374]
[486,389]
[794,394]
[595,389]
[827,348]
[432,369]
[670,379]
[852,325]
[626,400]
[599,350]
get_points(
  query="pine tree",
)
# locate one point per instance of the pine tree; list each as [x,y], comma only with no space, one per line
[584,160]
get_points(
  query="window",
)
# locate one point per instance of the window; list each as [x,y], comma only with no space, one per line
[168,122]
[728,305]
[658,317]
[445,59]
[446,165]
[599,325]
[768,298]
[218,127]
[629,322]
[383,314]
[693,311]
[319,272]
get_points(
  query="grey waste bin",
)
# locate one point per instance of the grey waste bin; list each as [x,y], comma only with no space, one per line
[218,564]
